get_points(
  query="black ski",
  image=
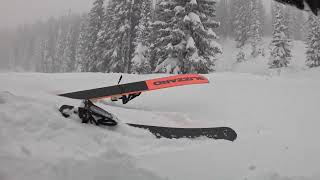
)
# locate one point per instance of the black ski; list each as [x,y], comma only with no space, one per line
[225,133]
[93,114]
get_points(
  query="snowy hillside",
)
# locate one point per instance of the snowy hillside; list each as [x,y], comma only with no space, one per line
[276,117]
[259,65]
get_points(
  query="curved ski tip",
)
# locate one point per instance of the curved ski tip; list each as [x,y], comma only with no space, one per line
[231,134]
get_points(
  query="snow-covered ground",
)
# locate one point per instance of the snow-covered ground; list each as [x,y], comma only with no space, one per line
[276,116]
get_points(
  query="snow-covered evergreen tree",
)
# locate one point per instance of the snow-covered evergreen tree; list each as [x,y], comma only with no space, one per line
[95,19]
[224,16]
[262,16]
[162,29]
[69,56]
[288,20]
[240,11]
[313,42]
[141,57]
[67,36]
[280,45]
[201,47]
[60,49]
[241,56]
[241,21]
[51,43]
[255,31]
[81,64]
[45,58]
[248,18]
[115,38]
[186,36]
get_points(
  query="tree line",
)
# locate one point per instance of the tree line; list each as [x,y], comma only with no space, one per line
[167,36]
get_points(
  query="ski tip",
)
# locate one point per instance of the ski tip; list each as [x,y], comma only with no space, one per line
[230,134]
[216,133]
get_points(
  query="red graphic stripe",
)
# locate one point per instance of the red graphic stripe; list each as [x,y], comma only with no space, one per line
[178,80]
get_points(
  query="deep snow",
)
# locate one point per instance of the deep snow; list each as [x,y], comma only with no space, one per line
[276,115]
[276,118]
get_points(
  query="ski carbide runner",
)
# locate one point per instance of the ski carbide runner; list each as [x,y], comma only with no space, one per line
[137,87]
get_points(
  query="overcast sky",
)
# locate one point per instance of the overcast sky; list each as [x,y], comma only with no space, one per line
[15,12]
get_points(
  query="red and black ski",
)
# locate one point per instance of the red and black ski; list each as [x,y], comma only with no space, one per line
[136,88]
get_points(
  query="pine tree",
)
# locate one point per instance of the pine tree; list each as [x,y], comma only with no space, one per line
[162,28]
[241,56]
[255,31]
[188,40]
[201,48]
[262,16]
[241,21]
[240,24]
[248,19]
[69,56]
[115,38]
[51,44]
[288,20]
[141,58]
[280,45]
[60,49]
[47,59]
[313,42]
[224,16]
[81,64]
[45,64]
[95,20]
